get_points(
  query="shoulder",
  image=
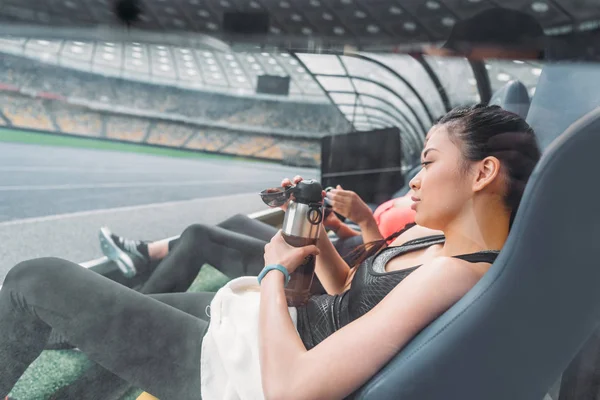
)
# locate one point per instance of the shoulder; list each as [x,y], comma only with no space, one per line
[427,293]
[451,267]
[444,279]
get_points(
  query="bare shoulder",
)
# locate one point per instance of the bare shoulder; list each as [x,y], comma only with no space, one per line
[448,274]
[416,232]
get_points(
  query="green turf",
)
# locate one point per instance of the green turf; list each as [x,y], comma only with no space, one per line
[17,136]
[56,368]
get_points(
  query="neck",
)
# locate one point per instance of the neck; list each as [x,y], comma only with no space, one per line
[477,230]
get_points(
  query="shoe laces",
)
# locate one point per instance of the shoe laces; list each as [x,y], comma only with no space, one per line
[129,245]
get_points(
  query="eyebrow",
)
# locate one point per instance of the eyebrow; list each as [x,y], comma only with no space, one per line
[428,150]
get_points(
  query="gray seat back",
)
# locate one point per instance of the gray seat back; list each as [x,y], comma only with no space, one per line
[565,92]
[512,97]
[518,328]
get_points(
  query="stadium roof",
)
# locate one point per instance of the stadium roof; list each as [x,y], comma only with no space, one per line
[371,90]
[226,72]
[309,24]
[410,92]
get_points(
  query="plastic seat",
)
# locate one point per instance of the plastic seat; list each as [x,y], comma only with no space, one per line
[519,327]
[512,97]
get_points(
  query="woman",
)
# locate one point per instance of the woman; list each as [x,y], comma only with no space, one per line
[476,163]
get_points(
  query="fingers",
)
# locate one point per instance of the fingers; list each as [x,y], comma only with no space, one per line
[341,192]
[340,197]
[310,250]
[287,182]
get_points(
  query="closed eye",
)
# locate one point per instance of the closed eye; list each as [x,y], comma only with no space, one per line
[425,163]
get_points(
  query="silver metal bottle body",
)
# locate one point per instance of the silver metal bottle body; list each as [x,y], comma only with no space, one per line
[297,221]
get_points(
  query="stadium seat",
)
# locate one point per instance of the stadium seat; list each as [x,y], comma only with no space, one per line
[562,96]
[512,97]
[565,92]
[513,334]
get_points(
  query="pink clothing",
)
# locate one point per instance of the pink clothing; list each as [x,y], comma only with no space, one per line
[391,219]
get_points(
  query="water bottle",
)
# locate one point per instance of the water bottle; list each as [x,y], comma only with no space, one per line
[301,227]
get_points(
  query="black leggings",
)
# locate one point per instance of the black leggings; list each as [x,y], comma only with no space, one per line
[152,342]
[235,247]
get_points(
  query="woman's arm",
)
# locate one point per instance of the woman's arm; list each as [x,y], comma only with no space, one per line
[341,230]
[350,205]
[355,353]
[369,229]
[330,267]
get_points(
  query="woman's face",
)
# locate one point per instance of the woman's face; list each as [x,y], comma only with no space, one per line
[442,189]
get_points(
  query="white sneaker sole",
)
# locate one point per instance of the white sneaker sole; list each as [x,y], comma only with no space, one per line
[114,253]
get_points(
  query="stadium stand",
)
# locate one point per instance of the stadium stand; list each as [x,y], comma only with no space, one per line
[244,111]
[211,141]
[49,97]
[169,134]
[272,153]
[248,145]
[75,120]
[25,112]
[126,128]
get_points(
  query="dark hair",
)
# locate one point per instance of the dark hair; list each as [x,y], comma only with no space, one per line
[484,131]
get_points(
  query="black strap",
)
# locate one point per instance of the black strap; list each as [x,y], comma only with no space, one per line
[482,256]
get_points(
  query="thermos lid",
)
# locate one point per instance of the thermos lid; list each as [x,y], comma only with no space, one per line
[308,192]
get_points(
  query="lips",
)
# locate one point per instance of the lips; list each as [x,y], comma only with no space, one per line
[416,201]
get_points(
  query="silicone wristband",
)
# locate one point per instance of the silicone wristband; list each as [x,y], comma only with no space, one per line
[278,267]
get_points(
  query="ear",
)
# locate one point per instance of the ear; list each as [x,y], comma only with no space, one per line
[487,170]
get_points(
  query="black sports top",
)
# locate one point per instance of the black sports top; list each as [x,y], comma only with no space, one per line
[325,314]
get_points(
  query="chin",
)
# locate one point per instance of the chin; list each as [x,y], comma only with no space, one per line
[425,222]
[419,220]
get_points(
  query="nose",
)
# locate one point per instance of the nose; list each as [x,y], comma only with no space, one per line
[415,182]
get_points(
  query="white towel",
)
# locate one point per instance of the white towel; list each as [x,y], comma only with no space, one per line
[230,367]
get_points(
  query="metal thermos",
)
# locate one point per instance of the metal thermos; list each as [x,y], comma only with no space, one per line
[301,227]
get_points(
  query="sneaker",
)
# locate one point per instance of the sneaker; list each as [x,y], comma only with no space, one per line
[124,252]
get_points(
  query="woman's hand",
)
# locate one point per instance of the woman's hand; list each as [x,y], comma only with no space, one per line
[331,221]
[277,251]
[349,204]
[285,183]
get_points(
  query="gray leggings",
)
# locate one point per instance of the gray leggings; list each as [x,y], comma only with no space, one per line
[152,342]
[133,338]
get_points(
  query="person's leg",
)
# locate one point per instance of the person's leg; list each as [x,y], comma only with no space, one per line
[232,253]
[150,344]
[239,223]
[132,255]
[245,225]
[98,382]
